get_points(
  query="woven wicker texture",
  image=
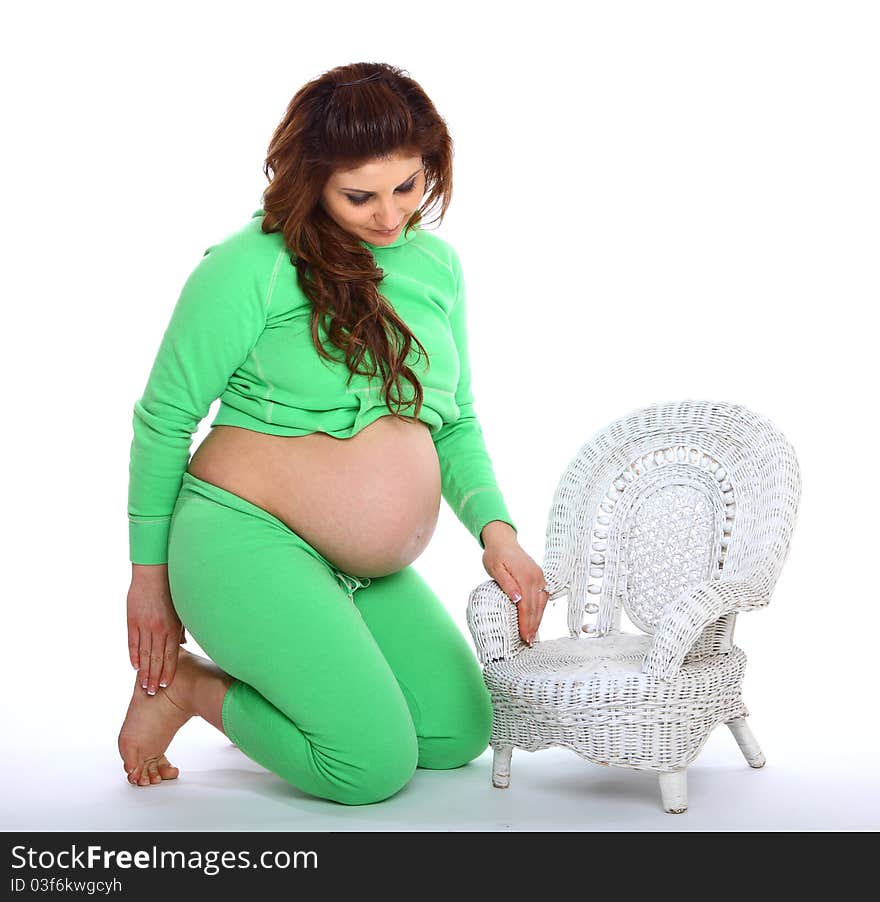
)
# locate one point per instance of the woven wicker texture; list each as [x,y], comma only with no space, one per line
[681,514]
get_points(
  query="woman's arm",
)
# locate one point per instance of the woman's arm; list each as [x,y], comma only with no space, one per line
[215,324]
[217,320]
[468,480]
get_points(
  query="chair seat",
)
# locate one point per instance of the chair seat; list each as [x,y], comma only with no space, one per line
[586,670]
[590,695]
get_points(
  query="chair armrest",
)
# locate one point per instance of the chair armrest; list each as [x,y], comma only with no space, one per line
[696,608]
[493,620]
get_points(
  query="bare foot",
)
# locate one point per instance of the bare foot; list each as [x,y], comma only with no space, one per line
[149,727]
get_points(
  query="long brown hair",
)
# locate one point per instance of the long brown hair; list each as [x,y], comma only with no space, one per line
[329,124]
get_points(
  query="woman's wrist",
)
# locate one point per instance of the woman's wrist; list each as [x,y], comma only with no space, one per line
[496,531]
[147,573]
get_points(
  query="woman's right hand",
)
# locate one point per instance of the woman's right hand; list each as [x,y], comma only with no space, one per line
[154,629]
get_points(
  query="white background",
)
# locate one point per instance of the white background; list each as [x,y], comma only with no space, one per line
[653,201]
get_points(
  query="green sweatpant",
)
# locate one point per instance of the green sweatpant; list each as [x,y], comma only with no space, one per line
[343,685]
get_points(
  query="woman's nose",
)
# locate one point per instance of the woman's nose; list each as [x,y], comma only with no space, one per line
[390,217]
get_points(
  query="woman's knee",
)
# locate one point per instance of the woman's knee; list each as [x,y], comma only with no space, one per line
[376,785]
[467,740]
[371,769]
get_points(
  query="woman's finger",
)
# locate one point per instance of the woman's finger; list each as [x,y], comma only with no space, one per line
[169,664]
[509,585]
[512,589]
[525,616]
[133,645]
[157,659]
[534,614]
[537,608]
[145,645]
[531,621]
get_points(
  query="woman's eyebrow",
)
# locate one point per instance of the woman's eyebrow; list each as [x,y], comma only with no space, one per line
[358,190]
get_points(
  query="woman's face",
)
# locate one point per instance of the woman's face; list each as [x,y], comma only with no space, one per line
[375,201]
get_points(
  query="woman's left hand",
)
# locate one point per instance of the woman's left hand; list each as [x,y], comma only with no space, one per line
[518,575]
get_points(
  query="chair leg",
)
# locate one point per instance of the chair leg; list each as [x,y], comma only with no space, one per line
[501,766]
[673,790]
[748,744]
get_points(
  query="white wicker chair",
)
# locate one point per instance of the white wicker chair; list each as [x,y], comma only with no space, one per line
[682,513]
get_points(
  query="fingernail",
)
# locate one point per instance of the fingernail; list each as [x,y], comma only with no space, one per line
[151,691]
[163,685]
[144,684]
[517,597]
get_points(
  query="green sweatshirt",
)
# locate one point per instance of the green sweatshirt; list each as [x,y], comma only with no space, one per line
[240,332]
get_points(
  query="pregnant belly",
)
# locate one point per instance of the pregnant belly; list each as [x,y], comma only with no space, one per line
[369,503]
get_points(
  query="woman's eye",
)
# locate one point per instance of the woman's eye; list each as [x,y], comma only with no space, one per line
[357,201]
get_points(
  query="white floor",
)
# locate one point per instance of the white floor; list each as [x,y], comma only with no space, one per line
[220,789]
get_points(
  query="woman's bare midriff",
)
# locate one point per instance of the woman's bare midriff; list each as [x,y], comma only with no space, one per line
[369,503]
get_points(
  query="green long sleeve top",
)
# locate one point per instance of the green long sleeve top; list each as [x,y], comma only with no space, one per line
[240,331]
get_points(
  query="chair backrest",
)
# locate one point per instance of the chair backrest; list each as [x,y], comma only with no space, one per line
[670,495]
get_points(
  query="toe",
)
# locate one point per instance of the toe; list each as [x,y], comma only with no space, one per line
[128,753]
[154,773]
[167,770]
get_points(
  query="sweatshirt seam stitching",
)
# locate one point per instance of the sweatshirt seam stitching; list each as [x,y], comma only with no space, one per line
[433,256]
[470,494]
[270,386]
[457,300]
[273,279]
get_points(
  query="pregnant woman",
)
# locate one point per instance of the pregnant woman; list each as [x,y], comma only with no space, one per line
[285,544]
